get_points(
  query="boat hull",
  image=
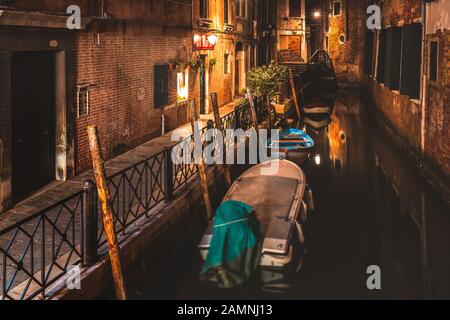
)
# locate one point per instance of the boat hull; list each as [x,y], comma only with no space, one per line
[281,211]
[294,145]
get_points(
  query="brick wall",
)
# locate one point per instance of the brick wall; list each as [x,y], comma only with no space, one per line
[120,70]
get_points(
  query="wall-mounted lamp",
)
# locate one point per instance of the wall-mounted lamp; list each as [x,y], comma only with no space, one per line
[212,39]
[316,14]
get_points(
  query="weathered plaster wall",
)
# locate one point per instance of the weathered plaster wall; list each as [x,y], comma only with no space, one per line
[437,121]
[348,57]
[438,16]
[404,115]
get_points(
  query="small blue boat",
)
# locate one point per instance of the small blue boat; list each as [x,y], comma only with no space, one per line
[293,144]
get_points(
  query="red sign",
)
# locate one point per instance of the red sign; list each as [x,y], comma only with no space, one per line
[204,41]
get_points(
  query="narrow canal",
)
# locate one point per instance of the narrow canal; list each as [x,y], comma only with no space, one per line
[372,209]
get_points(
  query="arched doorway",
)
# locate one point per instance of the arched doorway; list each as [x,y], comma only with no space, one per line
[240,81]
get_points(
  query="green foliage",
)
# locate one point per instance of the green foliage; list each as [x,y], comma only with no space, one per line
[265,80]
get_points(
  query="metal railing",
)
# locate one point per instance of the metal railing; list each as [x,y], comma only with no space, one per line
[38,252]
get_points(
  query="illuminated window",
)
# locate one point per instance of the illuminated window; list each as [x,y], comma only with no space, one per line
[183,85]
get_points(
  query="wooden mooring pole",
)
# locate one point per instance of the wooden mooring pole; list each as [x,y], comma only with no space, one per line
[219,124]
[294,93]
[253,113]
[200,163]
[107,212]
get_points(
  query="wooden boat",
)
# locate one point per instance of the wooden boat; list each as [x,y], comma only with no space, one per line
[320,85]
[317,123]
[294,145]
[280,201]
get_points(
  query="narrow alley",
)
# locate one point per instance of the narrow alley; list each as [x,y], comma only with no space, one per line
[138,142]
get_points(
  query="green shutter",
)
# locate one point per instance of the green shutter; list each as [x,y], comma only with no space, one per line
[161,85]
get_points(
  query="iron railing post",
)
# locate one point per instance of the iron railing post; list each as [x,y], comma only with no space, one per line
[90,223]
[237,118]
[168,174]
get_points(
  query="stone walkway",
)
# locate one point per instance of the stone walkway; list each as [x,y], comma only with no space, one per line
[66,217]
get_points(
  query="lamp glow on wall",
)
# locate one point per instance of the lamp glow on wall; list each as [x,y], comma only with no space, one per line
[183,85]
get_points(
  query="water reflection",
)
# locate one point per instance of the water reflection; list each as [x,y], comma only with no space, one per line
[372,208]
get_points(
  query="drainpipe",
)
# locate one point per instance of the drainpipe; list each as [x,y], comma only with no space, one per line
[424,82]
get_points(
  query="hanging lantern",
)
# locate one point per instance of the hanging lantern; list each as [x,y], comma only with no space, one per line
[204,41]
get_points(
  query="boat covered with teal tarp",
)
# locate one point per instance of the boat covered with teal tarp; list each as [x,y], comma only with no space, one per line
[235,248]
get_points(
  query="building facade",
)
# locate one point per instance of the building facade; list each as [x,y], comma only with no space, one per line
[403,65]
[113,72]
[129,67]
[291,28]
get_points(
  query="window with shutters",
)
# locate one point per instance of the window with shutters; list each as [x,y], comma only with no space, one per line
[161,85]
[433,60]
[294,8]
[381,56]
[393,58]
[411,60]
[368,56]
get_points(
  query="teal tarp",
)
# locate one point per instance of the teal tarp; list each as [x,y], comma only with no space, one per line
[235,248]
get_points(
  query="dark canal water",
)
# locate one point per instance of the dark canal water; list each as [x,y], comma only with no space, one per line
[372,209]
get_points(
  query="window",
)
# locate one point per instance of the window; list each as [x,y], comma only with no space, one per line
[393,58]
[411,60]
[433,59]
[337,8]
[381,55]
[368,56]
[161,85]
[294,8]
[226,63]
[183,85]
[225,11]
[204,9]
[241,8]
[82,100]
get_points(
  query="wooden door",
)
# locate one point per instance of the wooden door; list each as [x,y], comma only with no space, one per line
[33,121]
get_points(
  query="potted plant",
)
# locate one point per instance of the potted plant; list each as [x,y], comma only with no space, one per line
[212,62]
[195,63]
[265,80]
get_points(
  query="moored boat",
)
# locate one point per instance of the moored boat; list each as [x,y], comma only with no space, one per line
[281,211]
[293,144]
